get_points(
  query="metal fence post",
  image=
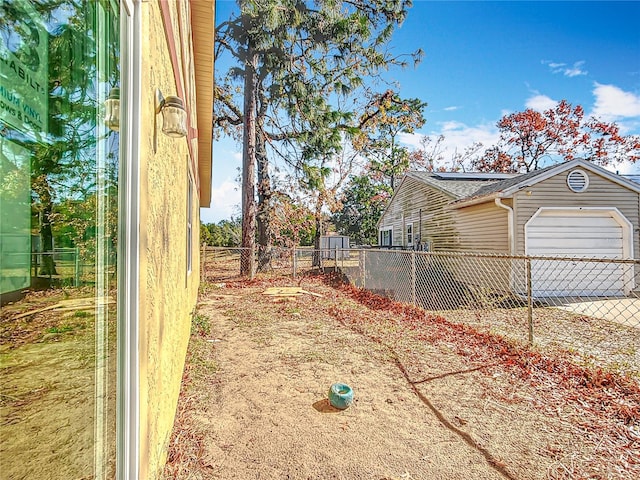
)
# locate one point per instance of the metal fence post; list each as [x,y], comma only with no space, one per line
[529,300]
[293,262]
[76,273]
[203,260]
[413,278]
[253,252]
[35,264]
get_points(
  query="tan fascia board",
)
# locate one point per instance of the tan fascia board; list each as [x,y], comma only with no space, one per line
[202,27]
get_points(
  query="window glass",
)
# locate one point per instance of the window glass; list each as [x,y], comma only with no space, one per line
[189,222]
[59,60]
[385,238]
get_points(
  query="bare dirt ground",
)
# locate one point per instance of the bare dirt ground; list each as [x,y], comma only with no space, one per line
[433,400]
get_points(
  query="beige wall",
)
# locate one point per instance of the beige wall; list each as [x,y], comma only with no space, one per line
[554,192]
[483,228]
[168,292]
[414,201]
[478,228]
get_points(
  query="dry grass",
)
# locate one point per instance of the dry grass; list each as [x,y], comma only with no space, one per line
[524,413]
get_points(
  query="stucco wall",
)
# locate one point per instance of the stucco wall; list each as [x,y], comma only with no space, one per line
[168,292]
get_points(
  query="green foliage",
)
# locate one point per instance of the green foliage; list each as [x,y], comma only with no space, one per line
[225,233]
[295,63]
[200,325]
[364,200]
[61,329]
[293,224]
[386,117]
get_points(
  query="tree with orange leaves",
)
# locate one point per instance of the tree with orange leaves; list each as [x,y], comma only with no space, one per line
[530,139]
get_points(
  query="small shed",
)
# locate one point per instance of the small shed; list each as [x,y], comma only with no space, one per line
[334,247]
[573,209]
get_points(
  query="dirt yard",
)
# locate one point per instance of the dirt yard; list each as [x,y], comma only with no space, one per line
[433,400]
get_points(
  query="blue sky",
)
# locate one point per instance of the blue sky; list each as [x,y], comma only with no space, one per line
[487,59]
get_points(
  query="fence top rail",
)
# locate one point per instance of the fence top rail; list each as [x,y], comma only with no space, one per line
[503,256]
[209,247]
[449,254]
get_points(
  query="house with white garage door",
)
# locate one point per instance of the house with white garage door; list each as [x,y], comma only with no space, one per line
[571,210]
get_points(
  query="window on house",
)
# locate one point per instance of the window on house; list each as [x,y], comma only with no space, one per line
[386,237]
[189,223]
[410,235]
[59,165]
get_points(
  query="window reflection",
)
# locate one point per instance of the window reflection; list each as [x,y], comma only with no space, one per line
[58,239]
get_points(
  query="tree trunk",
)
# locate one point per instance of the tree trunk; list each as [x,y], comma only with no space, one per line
[247,263]
[48,266]
[317,255]
[265,207]
[393,164]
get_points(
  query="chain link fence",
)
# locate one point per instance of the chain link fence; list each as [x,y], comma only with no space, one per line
[218,264]
[64,265]
[587,307]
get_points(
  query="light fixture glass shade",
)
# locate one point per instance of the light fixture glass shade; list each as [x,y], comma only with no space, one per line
[174,117]
[112,110]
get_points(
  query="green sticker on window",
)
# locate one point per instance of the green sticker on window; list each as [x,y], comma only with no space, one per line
[23,69]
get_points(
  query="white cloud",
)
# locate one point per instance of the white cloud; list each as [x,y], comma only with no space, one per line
[452,125]
[225,201]
[613,103]
[457,137]
[574,70]
[540,103]
[411,139]
[625,168]
[451,109]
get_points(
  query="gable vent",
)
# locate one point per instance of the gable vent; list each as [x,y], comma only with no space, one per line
[578,181]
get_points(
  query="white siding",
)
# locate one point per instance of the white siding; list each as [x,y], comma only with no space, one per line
[425,207]
[554,192]
[478,228]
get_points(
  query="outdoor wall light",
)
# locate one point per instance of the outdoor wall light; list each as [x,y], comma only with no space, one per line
[174,116]
[112,110]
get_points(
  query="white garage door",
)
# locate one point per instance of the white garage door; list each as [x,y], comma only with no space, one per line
[582,233]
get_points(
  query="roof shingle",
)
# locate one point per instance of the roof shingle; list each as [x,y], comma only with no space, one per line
[458,188]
